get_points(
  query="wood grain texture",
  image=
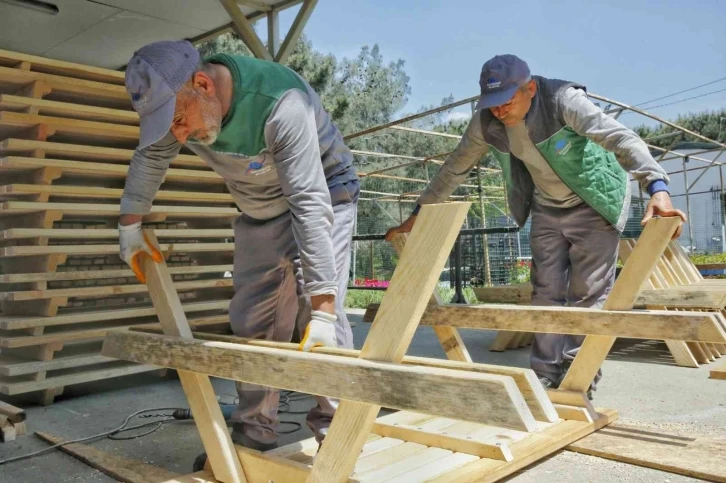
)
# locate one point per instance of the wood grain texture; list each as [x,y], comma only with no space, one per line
[118,467]
[694,456]
[640,324]
[197,387]
[445,392]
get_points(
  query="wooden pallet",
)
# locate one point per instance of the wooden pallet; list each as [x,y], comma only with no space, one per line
[67,135]
[447,429]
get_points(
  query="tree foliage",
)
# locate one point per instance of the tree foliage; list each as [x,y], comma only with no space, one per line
[711,124]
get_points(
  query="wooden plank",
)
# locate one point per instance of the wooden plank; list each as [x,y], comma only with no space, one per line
[409,292]
[10,342]
[107,233]
[449,337]
[696,457]
[118,467]
[14,366]
[69,110]
[12,413]
[505,294]
[651,244]
[101,274]
[102,170]
[439,440]
[531,389]
[197,387]
[110,290]
[643,324]
[113,94]
[684,297]
[527,451]
[82,317]
[15,191]
[719,372]
[109,249]
[80,152]
[62,68]
[14,388]
[466,395]
[101,210]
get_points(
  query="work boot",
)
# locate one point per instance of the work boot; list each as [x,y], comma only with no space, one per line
[240,439]
[547,383]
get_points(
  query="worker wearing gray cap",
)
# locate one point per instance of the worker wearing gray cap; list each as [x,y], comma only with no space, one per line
[565,163]
[263,129]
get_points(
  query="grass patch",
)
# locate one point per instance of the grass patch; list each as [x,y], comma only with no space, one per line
[704,258]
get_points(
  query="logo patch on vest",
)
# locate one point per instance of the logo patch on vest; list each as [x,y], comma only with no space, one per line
[562,147]
[257,167]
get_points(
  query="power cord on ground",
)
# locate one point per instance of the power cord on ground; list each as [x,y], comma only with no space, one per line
[179,414]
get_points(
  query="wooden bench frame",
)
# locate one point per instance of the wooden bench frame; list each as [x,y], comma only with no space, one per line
[405,302]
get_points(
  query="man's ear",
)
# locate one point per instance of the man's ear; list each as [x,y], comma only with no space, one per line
[203,83]
[532,88]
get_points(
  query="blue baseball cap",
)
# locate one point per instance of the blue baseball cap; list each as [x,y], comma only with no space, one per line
[154,75]
[500,78]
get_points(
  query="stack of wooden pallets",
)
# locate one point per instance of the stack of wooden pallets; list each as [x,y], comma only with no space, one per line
[67,134]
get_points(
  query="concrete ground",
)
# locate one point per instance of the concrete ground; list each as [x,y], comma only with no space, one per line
[640,382]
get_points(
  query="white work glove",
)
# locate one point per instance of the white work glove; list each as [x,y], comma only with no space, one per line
[320,331]
[133,243]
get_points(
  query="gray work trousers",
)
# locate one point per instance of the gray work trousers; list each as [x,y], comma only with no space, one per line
[574,255]
[268,301]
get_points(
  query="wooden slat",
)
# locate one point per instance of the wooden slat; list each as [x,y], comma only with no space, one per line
[197,387]
[65,126]
[107,233]
[69,110]
[26,207]
[467,395]
[115,95]
[684,297]
[413,281]
[94,374]
[532,391]
[101,274]
[651,244]
[62,68]
[83,317]
[655,324]
[12,413]
[109,290]
[79,152]
[16,191]
[15,366]
[109,249]
[101,170]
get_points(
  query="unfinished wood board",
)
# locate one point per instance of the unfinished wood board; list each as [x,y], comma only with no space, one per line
[419,266]
[448,337]
[84,316]
[67,110]
[102,274]
[79,152]
[20,191]
[197,387]
[651,245]
[90,132]
[719,372]
[109,249]
[638,324]
[439,391]
[698,457]
[12,413]
[8,208]
[107,233]
[93,373]
[89,169]
[505,294]
[61,68]
[118,467]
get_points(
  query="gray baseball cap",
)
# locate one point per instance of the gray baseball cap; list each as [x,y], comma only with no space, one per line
[500,77]
[154,75]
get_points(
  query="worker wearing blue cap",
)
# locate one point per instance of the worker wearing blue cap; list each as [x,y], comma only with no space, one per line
[264,130]
[565,163]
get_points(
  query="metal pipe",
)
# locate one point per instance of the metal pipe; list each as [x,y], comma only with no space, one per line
[688,202]
[721,209]
[656,118]
[409,118]
[423,131]
[706,169]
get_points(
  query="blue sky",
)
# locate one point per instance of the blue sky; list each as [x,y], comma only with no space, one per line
[631,51]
